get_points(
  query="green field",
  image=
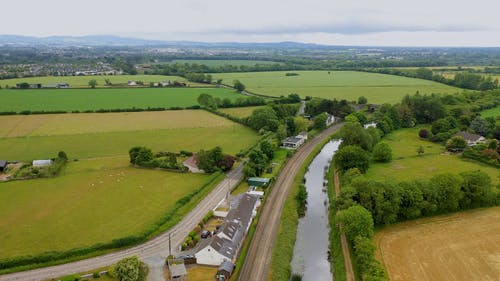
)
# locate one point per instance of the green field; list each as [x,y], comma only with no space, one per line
[407,165]
[216,63]
[378,88]
[93,201]
[83,135]
[492,112]
[94,99]
[83,81]
[101,197]
[240,112]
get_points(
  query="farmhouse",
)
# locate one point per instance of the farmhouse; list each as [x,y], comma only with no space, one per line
[42,163]
[225,245]
[472,139]
[3,165]
[224,272]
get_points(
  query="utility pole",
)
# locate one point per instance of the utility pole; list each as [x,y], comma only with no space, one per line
[170,244]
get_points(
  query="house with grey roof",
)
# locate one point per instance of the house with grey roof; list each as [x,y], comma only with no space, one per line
[224,271]
[3,165]
[226,243]
[472,139]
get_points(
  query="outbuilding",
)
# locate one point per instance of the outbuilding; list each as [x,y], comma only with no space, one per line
[292,142]
[3,165]
[258,182]
[42,163]
[225,271]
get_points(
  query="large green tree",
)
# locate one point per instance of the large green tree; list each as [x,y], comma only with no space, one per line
[130,269]
[356,221]
[352,156]
[382,152]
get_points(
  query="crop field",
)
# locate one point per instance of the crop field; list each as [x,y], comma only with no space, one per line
[377,88]
[407,165]
[461,247]
[215,63]
[83,81]
[240,112]
[85,135]
[95,99]
[100,197]
[492,112]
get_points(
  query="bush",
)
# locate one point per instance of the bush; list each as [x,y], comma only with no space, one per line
[356,221]
[351,156]
[424,133]
[382,152]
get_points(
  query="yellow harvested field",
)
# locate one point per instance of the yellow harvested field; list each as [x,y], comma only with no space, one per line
[240,112]
[83,123]
[459,247]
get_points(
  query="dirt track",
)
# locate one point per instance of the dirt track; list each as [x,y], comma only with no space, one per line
[259,255]
[458,247]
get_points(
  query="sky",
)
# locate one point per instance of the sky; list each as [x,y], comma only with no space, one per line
[331,22]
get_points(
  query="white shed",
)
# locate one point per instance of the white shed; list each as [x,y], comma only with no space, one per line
[42,163]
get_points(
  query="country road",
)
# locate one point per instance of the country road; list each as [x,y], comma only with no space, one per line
[258,259]
[153,252]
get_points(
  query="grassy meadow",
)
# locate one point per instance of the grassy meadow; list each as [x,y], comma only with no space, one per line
[216,63]
[101,197]
[240,112]
[95,99]
[407,165]
[377,88]
[492,112]
[93,135]
[83,81]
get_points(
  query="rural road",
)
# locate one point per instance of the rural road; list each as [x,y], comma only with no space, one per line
[258,259]
[152,252]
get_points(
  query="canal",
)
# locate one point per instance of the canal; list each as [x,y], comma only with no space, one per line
[310,256]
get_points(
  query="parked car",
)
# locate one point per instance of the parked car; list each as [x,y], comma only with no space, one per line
[205,234]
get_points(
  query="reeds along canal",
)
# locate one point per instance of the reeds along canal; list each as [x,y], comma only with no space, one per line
[311,257]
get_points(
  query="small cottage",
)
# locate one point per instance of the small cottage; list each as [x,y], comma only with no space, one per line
[472,139]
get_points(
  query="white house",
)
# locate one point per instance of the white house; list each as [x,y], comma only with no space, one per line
[42,163]
[132,83]
[330,119]
[217,252]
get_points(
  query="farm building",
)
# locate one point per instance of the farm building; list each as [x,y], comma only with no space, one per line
[472,139]
[3,165]
[177,270]
[55,86]
[42,163]
[292,142]
[258,182]
[225,245]
[132,83]
[224,272]
[330,119]
[28,86]
[370,125]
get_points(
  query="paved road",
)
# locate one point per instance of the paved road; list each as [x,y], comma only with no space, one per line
[152,252]
[259,255]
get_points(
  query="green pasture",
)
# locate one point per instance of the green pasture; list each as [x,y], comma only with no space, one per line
[216,63]
[492,112]
[407,165]
[377,88]
[240,112]
[92,201]
[94,99]
[83,81]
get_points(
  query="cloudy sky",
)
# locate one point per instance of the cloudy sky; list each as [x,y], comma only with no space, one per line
[334,22]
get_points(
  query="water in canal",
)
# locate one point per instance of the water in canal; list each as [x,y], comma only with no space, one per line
[310,256]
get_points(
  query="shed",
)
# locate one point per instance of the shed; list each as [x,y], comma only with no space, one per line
[42,163]
[224,272]
[3,165]
[259,182]
[177,270]
[292,142]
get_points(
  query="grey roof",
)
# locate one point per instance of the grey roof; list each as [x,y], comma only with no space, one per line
[468,136]
[224,246]
[263,180]
[226,266]
[293,140]
[177,270]
[3,163]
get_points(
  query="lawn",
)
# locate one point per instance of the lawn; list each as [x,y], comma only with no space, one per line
[216,63]
[461,246]
[240,112]
[91,135]
[94,99]
[83,81]
[407,165]
[378,88]
[492,112]
[94,200]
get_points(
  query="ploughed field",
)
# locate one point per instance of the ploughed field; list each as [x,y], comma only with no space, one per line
[461,247]
[349,85]
[94,99]
[101,197]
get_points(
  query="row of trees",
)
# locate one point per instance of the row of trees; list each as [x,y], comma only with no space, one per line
[144,157]
[210,102]
[336,108]
[214,160]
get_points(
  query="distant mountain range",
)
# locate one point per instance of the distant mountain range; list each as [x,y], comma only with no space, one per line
[108,40]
